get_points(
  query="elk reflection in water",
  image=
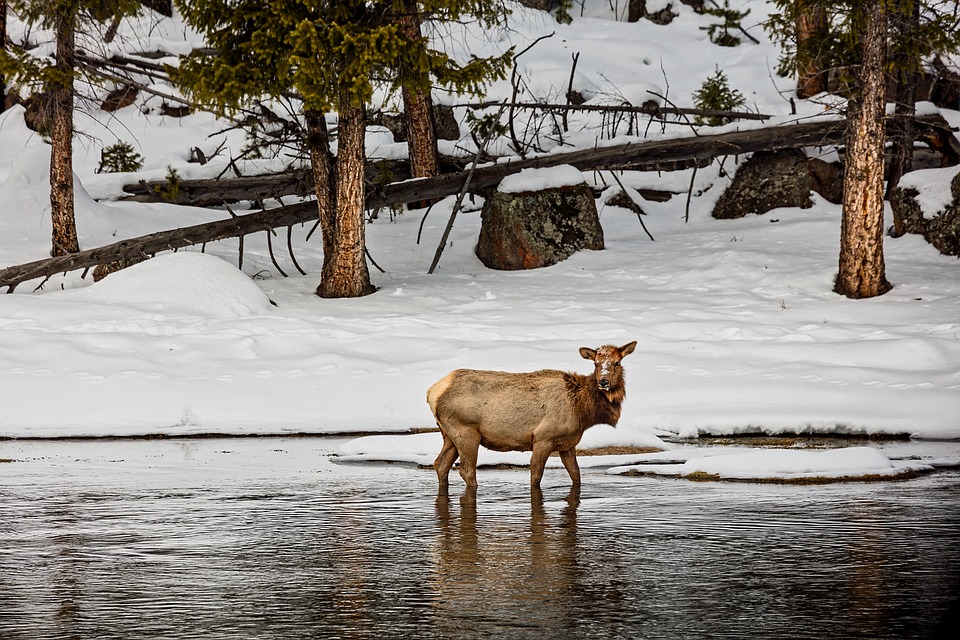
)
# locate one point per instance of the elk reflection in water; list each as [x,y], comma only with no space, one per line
[530,574]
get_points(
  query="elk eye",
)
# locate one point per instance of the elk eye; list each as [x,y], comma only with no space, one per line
[616,364]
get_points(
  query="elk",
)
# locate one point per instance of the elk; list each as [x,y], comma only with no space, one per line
[539,411]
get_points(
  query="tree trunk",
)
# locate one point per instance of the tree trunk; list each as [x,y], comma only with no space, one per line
[321,164]
[3,47]
[61,146]
[347,275]
[811,32]
[418,110]
[903,132]
[862,271]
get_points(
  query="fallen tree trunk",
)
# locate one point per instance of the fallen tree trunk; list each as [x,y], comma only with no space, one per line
[649,156]
[145,246]
[210,192]
[607,158]
[620,157]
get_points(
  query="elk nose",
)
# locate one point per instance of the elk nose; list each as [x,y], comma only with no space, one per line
[604,383]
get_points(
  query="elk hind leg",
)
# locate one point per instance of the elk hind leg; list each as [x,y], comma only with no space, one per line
[443,463]
[469,447]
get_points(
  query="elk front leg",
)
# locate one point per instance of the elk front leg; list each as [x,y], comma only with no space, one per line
[541,451]
[569,459]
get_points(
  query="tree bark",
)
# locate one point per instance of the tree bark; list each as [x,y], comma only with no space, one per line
[811,31]
[321,164]
[61,145]
[3,47]
[862,273]
[418,110]
[347,275]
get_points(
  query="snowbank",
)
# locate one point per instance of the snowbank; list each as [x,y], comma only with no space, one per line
[526,180]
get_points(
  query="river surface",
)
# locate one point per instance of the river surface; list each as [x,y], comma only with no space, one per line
[268,538]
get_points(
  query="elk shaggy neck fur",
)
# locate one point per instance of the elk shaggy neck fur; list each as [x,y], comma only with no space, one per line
[592,405]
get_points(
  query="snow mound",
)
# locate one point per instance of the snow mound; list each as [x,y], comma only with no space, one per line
[784,464]
[27,189]
[563,175]
[184,283]
[603,435]
[933,187]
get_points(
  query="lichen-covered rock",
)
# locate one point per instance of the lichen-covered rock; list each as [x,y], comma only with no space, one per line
[445,124]
[941,228]
[534,229]
[768,180]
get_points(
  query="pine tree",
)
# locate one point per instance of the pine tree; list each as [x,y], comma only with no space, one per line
[859,42]
[721,33]
[65,18]
[328,53]
[716,94]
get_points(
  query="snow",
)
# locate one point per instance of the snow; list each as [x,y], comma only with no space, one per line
[525,180]
[737,326]
[785,464]
[933,189]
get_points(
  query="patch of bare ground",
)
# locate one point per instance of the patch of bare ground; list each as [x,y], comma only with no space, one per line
[700,476]
[796,441]
[614,451]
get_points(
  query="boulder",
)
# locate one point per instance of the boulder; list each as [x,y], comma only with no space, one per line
[637,9]
[121,97]
[826,178]
[941,228]
[768,180]
[531,229]
[445,124]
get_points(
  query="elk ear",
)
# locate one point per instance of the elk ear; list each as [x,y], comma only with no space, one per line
[588,354]
[627,349]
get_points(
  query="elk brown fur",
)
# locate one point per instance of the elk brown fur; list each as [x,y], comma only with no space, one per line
[539,411]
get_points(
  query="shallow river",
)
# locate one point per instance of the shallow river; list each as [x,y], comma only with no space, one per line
[267,538]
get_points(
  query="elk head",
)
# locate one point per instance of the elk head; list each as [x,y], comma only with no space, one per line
[607,370]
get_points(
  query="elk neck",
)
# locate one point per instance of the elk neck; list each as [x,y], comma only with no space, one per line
[593,405]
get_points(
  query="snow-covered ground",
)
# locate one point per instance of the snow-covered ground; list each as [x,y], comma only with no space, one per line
[737,326]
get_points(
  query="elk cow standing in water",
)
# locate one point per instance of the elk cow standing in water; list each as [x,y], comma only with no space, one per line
[540,411]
